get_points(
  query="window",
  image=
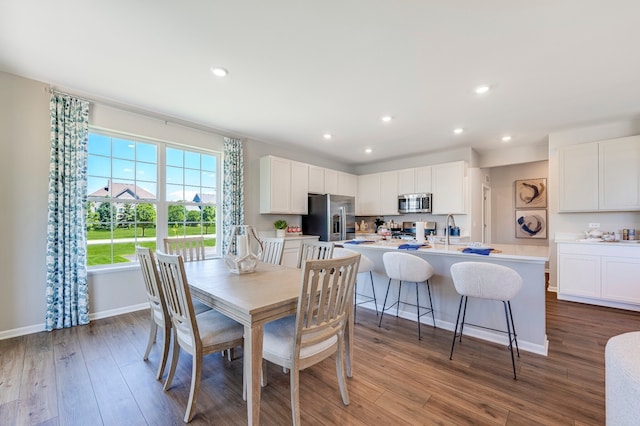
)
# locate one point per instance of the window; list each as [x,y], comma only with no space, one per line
[141,191]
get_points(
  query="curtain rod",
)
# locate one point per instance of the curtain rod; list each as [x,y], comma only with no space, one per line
[58,92]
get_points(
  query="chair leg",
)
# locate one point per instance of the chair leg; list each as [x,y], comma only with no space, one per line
[355,299]
[196,371]
[295,396]
[152,337]
[174,362]
[398,302]
[342,378]
[513,325]
[384,304]
[455,330]
[165,352]
[506,317]
[373,290]
[418,311]
[433,316]
[464,316]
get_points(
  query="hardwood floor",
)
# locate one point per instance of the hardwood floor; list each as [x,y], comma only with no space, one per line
[95,375]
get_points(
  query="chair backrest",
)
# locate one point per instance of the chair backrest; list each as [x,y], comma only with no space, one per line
[406,267]
[272,250]
[325,295]
[485,280]
[190,248]
[179,305]
[314,250]
[366,264]
[154,288]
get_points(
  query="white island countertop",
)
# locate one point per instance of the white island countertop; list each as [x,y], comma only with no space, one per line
[502,251]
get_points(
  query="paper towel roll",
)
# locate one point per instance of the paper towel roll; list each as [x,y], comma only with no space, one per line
[420,232]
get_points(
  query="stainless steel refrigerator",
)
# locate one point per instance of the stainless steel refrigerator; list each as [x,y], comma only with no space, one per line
[332,217]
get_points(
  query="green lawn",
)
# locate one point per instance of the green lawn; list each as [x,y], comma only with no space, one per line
[149,232]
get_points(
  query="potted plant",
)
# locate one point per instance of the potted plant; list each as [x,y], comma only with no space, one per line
[281,227]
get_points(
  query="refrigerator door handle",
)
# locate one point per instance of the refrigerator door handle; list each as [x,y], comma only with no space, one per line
[343,224]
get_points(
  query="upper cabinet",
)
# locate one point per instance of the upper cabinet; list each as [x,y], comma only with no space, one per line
[377,194]
[416,180]
[328,181]
[284,185]
[601,175]
[331,182]
[449,188]
[316,180]
[347,184]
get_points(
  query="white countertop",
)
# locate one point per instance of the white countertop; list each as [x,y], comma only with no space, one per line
[507,251]
[625,243]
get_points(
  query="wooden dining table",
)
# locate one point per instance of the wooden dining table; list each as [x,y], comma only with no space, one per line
[252,299]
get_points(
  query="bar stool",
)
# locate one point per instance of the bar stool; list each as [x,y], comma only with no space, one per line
[366,265]
[407,267]
[486,281]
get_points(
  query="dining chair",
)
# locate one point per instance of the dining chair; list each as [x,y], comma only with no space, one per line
[190,248]
[314,250]
[366,265]
[317,330]
[272,249]
[198,335]
[406,267]
[159,313]
[486,281]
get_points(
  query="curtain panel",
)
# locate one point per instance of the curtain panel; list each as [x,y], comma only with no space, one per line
[232,189]
[67,292]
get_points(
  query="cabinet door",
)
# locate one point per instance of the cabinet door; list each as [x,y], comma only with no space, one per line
[423,180]
[299,179]
[579,275]
[275,185]
[368,199]
[388,193]
[316,180]
[406,181]
[620,279]
[449,188]
[619,173]
[331,182]
[578,177]
[347,184]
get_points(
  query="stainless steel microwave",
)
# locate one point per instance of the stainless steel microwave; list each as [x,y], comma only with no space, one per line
[414,203]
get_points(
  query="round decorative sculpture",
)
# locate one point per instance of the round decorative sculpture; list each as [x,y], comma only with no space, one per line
[244,250]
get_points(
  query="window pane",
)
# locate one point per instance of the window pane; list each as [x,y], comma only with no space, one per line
[174,157]
[192,160]
[208,162]
[147,190]
[174,175]
[190,193]
[192,177]
[97,186]
[208,179]
[98,166]
[123,148]
[99,144]
[123,169]
[147,171]
[175,193]
[146,152]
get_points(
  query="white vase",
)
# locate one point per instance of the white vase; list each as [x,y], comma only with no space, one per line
[281,233]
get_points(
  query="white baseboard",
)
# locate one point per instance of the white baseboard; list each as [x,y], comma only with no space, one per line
[8,334]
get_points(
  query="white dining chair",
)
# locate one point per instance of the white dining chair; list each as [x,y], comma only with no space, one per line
[198,335]
[406,267]
[190,248]
[366,265]
[316,332]
[272,249]
[486,281]
[314,250]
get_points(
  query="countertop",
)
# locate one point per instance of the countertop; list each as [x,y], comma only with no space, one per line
[507,251]
[625,243]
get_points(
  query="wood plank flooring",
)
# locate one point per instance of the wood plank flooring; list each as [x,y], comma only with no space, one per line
[95,374]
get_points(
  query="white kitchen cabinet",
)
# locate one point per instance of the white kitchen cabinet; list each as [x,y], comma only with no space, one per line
[284,186]
[347,184]
[368,199]
[619,167]
[292,248]
[449,188]
[423,180]
[331,182]
[600,176]
[578,177]
[316,180]
[603,274]
[388,193]
[406,181]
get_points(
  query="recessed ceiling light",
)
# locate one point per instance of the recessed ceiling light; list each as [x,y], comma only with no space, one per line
[482,89]
[219,72]
[506,138]
[368,150]
[327,136]
[386,118]
[458,130]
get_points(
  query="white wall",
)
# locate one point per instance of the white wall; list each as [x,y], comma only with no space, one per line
[578,222]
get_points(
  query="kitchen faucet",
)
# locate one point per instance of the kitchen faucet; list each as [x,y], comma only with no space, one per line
[451,223]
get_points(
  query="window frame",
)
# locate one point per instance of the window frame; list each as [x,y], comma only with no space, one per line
[160,202]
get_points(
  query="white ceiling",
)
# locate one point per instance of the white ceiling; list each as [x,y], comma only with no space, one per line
[300,68]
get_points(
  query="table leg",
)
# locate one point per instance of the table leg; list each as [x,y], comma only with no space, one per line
[349,339]
[252,371]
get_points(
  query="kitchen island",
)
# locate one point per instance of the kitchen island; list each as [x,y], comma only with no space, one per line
[528,306]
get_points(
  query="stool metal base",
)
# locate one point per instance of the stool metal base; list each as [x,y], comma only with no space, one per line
[366,298]
[417,305]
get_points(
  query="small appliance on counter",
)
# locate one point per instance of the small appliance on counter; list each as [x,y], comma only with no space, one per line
[408,231]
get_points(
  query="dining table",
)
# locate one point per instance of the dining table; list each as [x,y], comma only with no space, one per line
[253,299]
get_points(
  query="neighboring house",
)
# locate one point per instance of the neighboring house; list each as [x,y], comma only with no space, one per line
[123,191]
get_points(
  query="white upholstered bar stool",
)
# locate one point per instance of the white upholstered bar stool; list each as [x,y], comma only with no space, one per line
[486,281]
[410,268]
[366,265]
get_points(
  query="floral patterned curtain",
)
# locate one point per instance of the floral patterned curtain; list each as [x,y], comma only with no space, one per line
[67,297]
[232,189]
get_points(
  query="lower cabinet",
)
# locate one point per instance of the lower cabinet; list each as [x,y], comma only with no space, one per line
[600,274]
[291,249]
